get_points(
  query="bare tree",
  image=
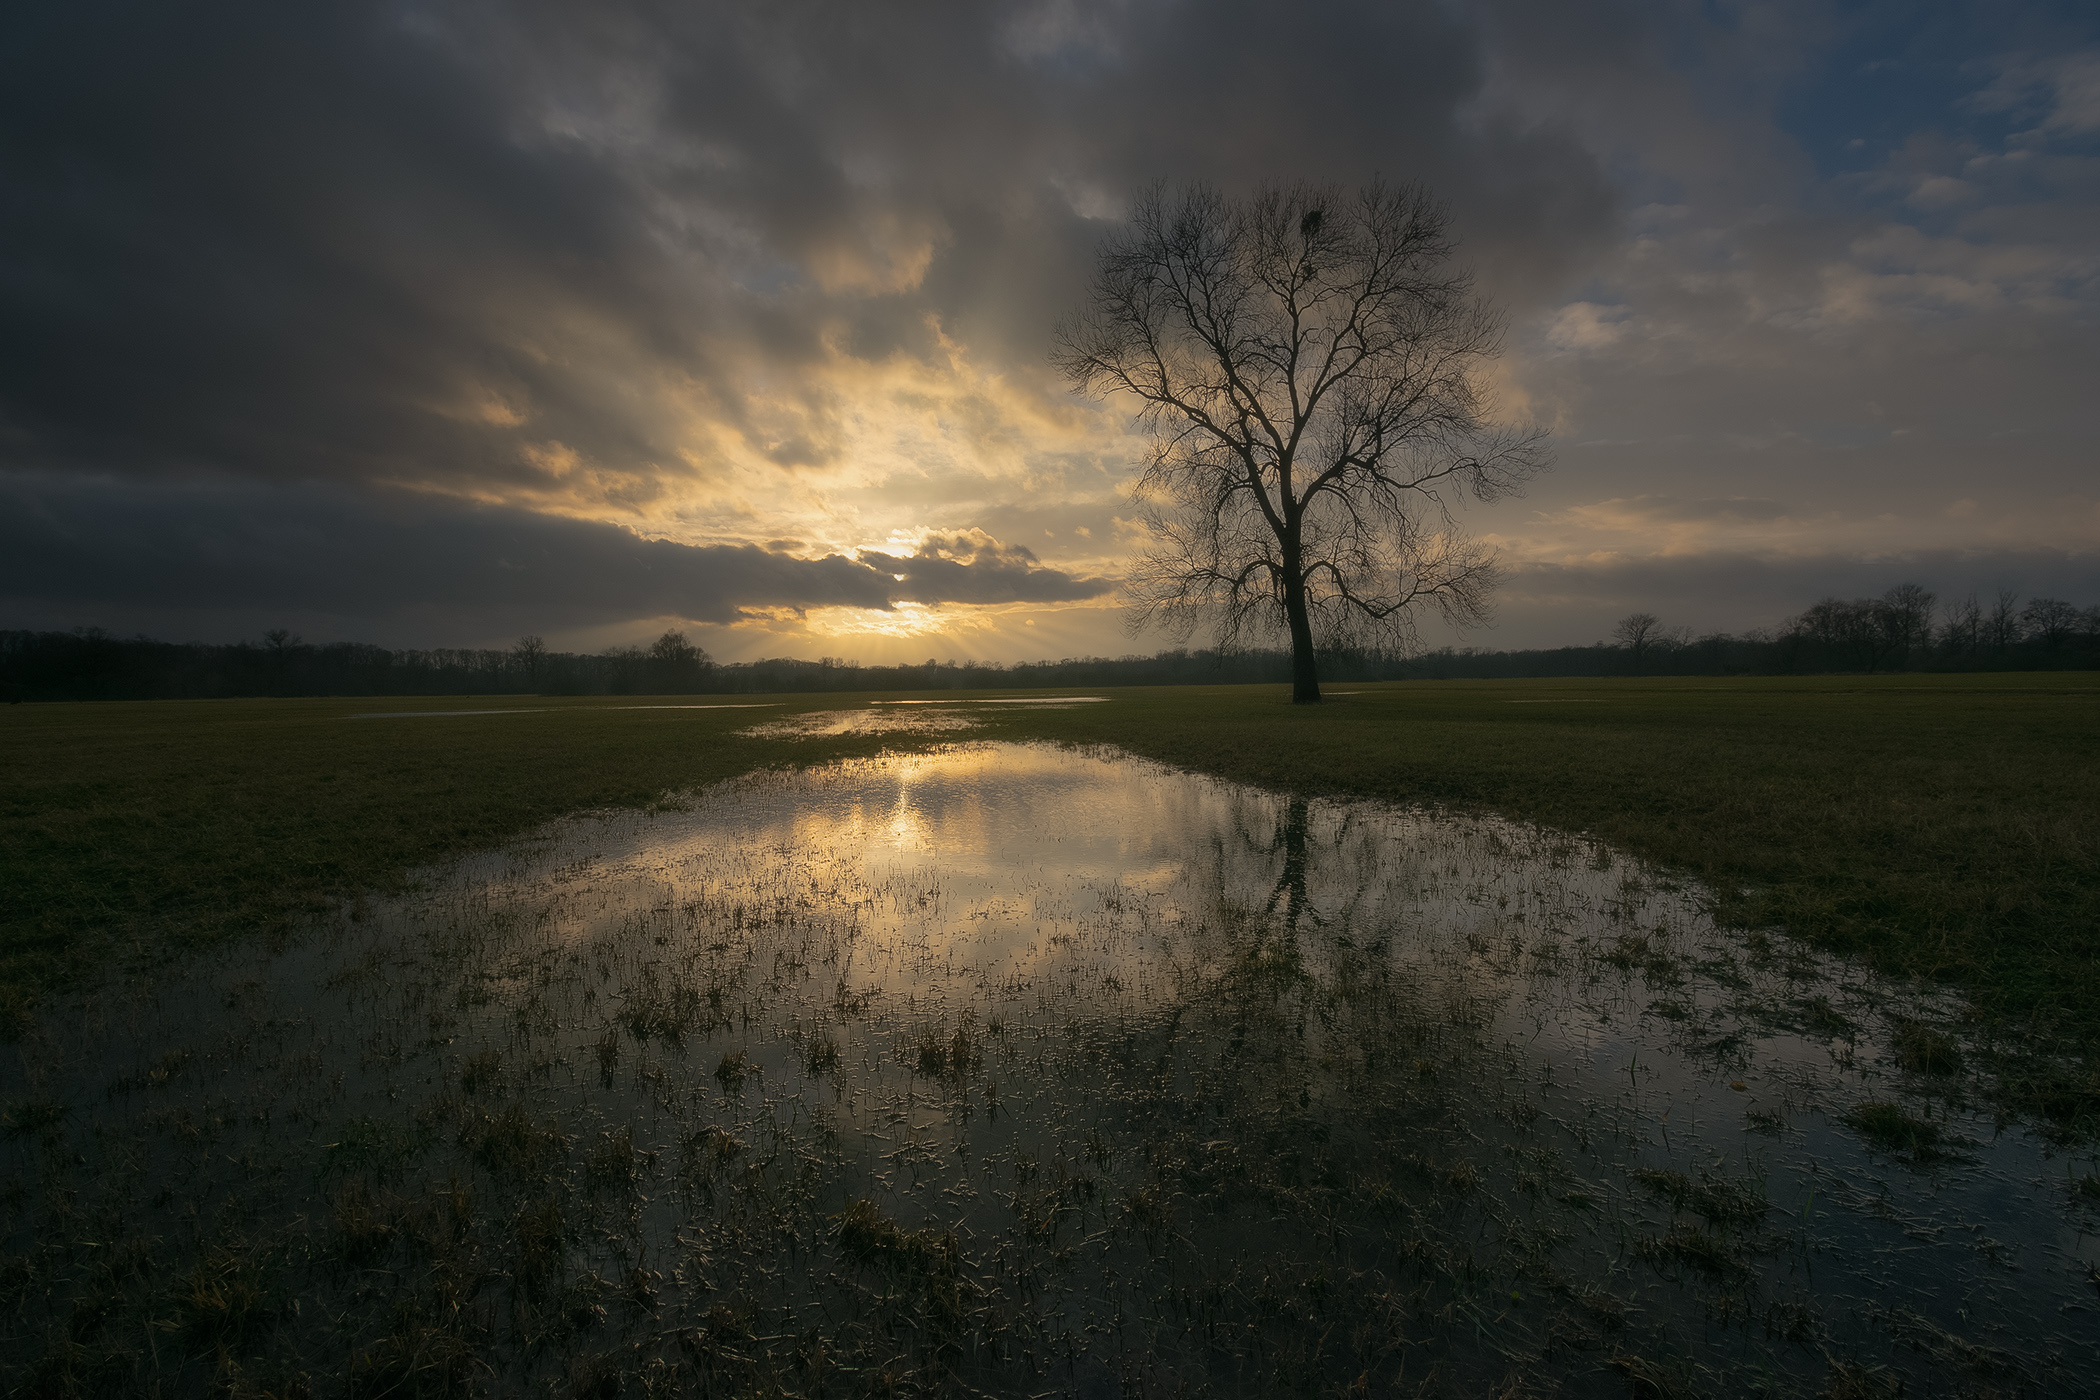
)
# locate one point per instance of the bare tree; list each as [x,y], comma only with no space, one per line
[1871,632]
[675,664]
[1963,633]
[1309,364]
[2049,620]
[2002,628]
[1905,615]
[530,656]
[1899,621]
[1637,632]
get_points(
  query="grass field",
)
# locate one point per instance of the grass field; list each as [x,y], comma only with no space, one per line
[1942,827]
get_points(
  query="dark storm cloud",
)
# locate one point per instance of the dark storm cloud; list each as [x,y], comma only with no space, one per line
[396,242]
[296,241]
[381,567]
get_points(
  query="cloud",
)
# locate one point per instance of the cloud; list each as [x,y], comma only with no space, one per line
[369,565]
[619,257]
[671,286]
[1584,325]
[1635,512]
[2061,90]
[972,567]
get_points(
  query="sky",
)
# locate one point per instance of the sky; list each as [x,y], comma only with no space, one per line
[437,324]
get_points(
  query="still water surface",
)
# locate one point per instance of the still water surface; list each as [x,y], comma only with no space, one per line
[1012,1070]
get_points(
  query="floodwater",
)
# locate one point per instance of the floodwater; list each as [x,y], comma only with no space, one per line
[951,716]
[1012,1070]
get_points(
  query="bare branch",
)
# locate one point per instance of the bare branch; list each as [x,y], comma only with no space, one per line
[1311,367]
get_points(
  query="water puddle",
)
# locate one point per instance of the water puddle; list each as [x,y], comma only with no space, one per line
[921,717]
[450,714]
[1011,1070]
[820,723]
[549,709]
[1044,702]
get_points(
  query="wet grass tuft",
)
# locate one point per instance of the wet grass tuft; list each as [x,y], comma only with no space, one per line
[481,1073]
[820,1054]
[928,1262]
[951,1056]
[610,1163]
[1850,1381]
[538,1233]
[33,1116]
[709,1150]
[365,1224]
[1893,1128]
[224,1300]
[1705,1250]
[1922,1050]
[1731,1204]
[1649,1380]
[868,1235]
[511,1143]
[669,1013]
[1819,1015]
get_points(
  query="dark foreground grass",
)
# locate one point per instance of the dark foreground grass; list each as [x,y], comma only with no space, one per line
[1940,827]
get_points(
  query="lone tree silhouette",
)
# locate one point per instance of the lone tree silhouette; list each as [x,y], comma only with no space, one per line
[1310,367]
[1637,633]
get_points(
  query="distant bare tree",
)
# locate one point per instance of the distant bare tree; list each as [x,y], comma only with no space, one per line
[1904,616]
[2049,620]
[1637,632]
[1846,627]
[2001,628]
[1962,633]
[280,641]
[1871,632]
[626,670]
[1309,364]
[530,656]
[675,664]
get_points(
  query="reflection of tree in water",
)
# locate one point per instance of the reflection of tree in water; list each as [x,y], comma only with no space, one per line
[1290,891]
[1308,866]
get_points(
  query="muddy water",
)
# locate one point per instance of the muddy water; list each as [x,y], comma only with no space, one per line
[1011,1070]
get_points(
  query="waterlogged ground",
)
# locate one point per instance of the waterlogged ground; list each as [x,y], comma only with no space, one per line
[1013,1071]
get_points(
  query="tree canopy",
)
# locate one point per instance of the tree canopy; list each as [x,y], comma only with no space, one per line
[1309,363]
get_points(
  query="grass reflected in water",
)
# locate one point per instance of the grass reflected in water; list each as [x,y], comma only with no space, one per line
[1010,1070]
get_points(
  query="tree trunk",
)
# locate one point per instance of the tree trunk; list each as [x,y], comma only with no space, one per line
[1305,672]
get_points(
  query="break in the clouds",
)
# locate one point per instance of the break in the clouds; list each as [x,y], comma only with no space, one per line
[328,558]
[434,323]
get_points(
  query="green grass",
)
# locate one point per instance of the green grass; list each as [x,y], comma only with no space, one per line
[1942,827]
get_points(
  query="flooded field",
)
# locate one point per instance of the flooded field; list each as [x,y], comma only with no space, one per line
[1008,1070]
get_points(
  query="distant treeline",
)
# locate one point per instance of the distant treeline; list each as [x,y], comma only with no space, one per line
[1904,629]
